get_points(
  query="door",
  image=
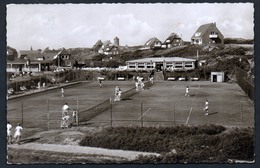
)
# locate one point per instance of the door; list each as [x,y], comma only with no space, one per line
[214,78]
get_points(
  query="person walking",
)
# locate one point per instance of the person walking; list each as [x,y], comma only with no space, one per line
[9,135]
[18,133]
[100,83]
[206,108]
[62,92]
[187,91]
[75,116]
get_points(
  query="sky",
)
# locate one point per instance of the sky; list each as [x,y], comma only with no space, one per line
[82,25]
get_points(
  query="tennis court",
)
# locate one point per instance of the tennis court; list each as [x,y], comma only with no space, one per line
[162,104]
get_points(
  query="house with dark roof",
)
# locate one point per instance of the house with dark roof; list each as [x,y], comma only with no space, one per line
[152,43]
[111,50]
[41,61]
[11,53]
[97,46]
[172,41]
[208,34]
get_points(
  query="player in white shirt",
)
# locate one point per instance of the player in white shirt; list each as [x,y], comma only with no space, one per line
[9,135]
[62,92]
[18,133]
[187,91]
[65,110]
[206,108]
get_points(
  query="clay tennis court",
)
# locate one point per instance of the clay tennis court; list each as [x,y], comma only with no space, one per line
[162,104]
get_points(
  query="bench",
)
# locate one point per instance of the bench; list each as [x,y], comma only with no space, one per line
[194,79]
[182,79]
[120,78]
[171,79]
[10,91]
[23,88]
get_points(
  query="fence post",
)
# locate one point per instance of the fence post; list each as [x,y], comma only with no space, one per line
[173,113]
[142,114]
[111,116]
[48,115]
[241,114]
[22,114]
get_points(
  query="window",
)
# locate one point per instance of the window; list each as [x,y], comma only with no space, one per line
[131,65]
[178,65]
[168,65]
[149,65]
[188,65]
[197,34]
[140,65]
[177,40]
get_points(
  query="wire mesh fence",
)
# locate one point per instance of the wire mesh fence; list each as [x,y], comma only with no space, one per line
[246,85]
[143,113]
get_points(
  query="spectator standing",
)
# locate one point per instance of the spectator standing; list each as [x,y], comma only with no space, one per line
[18,133]
[9,135]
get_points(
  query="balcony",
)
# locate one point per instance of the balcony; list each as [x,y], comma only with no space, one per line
[213,36]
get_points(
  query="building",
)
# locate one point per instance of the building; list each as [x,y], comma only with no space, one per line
[11,53]
[172,41]
[208,34]
[217,77]
[97,46]
[107,47]
[111,50]
[116,41]
[152,43]
[41,61]
[162,63]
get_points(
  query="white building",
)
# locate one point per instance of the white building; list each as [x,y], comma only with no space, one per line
[217,76]
[162,63]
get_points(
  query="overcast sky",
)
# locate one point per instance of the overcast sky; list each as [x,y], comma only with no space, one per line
[81,25]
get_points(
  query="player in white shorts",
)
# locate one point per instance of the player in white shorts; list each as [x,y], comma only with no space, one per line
[206,108]
[9,135]
[18,133]
[187,91]
[62,92]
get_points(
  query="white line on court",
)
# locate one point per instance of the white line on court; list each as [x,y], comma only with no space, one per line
[189,116]
[144,113]
[173,86]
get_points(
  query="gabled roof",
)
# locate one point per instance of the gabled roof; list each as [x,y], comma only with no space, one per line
[202,29]
[98,43]
[171,38]
[29,52]
[151,41]
[110,47]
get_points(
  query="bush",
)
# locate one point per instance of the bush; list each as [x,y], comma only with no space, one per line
[178,144]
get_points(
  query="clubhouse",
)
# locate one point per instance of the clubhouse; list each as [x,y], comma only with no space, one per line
[162,63]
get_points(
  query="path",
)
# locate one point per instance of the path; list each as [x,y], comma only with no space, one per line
[129,155]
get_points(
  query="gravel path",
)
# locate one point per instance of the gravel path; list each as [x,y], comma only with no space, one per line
[130,155]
